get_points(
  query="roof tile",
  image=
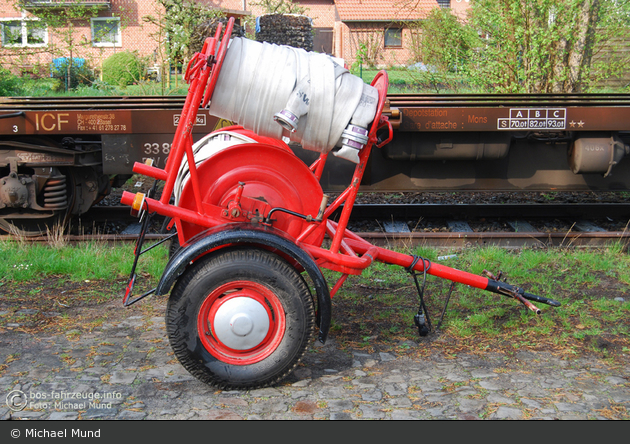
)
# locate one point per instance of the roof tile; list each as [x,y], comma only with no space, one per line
[383,10]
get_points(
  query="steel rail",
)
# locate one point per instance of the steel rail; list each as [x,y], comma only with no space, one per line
[459,240]
[451,240]
[403,211]
[528,210]
[395,100]
[508,99]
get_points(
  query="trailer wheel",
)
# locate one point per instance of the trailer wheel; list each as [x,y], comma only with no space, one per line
[240,319]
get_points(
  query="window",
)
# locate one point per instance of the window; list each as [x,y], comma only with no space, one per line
[21,33]
[393,38]
[106,31]
[444,3]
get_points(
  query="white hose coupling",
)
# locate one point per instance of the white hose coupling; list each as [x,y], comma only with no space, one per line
[354,136]
[297,106]
[287,120]
[353,139]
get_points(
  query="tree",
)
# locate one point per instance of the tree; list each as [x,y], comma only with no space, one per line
[527,46]
[442,41]
[368,45]
[176,26]
[177,23]
[280,7]
[544,46]
[63,23]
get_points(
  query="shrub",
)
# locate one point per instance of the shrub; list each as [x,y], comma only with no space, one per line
[9,83]
[123,68]
[80,73]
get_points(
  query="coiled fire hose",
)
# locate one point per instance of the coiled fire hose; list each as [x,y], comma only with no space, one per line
[304,97]
[204,149]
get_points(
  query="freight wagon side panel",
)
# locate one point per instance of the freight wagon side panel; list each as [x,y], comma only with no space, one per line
[150,138]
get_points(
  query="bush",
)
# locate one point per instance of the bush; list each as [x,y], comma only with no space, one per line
[123,68]
[80,74]
[9,83]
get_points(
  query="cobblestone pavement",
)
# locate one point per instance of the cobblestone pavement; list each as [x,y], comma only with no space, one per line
[126,370]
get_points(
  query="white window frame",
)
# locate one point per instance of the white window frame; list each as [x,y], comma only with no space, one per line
[23,23]
[117,43]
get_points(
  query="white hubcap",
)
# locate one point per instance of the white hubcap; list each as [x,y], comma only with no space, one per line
[241,323]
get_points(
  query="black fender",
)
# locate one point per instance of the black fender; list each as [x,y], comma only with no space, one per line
[254,235]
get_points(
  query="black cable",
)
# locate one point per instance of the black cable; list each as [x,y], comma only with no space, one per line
[448,297]
[423,329]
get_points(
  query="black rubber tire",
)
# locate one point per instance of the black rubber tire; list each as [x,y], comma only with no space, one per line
[211,272]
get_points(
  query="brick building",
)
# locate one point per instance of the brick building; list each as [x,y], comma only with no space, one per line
[111,26]
[341,27]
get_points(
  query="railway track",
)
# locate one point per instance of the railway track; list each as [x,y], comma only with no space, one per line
[441,142]
[435,225]
[450,239]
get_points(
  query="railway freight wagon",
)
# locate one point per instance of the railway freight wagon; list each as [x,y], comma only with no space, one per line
[60,156]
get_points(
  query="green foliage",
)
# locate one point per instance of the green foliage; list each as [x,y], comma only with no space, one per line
[80,75]
[9,83]
[46,88]
[437,63]
[177,26]
[360,57]
[368,47]
[542,45]
[124,68]
[280,7]
[527,46]
[429,36]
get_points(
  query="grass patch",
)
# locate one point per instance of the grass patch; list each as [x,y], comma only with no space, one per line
[44,87]
[401,80]
[84,261]
[593,318]
[407,80]
[49,287]
[373,311]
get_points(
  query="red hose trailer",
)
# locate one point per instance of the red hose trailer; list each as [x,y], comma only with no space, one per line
[251,224]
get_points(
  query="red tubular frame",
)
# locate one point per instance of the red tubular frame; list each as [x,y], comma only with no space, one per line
[348,253]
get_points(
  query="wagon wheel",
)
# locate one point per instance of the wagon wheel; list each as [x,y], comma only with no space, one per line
[34,223]
[31,226]
[38,223]
[240,319]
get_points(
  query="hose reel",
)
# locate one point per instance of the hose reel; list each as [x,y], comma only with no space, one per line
[294,95]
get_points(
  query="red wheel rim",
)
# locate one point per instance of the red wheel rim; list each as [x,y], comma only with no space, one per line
[241,322]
